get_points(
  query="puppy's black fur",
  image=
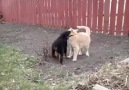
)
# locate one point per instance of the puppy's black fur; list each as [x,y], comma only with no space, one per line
[60,45]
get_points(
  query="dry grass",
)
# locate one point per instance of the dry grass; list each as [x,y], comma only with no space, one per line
[113,76]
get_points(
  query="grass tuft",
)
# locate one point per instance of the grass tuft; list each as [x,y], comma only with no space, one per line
[19,72]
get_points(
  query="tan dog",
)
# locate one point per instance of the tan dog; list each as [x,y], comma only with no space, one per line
[79,41]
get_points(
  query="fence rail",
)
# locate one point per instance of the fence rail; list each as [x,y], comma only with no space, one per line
[104,16]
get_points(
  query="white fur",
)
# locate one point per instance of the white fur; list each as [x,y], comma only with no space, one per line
[79,41]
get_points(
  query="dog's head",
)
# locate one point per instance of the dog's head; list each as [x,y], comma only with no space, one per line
[65,34]
[73,31]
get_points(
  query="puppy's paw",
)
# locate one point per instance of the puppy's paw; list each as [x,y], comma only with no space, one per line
[69,56]
[87,54]
[74,60]
[80,53]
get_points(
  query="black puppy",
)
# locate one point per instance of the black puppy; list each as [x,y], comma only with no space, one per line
[60,45]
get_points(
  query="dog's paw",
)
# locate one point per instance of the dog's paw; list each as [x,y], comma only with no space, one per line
[80,53]
[69,56]
[87,54]
[74,60]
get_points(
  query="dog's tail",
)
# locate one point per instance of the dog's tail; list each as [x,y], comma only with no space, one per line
[86,28]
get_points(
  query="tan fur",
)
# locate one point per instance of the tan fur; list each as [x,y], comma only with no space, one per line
[79,41]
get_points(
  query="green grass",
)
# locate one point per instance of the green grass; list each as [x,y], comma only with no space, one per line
[19,72]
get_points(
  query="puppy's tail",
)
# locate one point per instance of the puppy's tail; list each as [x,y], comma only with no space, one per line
[86,28]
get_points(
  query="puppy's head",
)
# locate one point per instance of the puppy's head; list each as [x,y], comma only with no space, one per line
[65,34]
[73,31]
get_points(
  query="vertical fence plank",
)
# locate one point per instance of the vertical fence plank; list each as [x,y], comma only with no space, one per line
[79,12]
[11,13]
[50,13]
[106,15]
[94,20]
[66,13]
[25,11]
[0,6]
[75,13]
[84,5]
[89,20]
[44,11]
[62,13]
[33,12]
[60,10]
[113,16]
[126,19]
[30,12]
[56,13]
[70,20]
[53,12]
[32,6]
[19,11]
[39,13]
[120,17]
[49,20]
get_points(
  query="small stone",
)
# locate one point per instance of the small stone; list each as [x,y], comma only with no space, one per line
[125,60]
[99,87]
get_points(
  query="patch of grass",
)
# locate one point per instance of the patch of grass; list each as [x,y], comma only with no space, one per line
[19,72]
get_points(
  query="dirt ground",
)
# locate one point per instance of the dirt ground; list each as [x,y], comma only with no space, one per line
[30,40]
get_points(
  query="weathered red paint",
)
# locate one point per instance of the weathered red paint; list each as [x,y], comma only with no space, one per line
[75,13]
[95,10]
[0,6]
[106,15]
[100,16]
[112,17]
[89,20]
[84,5]
[126,19]
[79,12]
[120,16]
[67,13]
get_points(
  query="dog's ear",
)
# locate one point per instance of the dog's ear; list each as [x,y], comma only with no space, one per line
[70,29]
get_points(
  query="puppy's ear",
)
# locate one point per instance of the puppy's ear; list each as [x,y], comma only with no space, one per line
[70,29]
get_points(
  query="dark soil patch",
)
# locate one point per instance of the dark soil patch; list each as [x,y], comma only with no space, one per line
[30,39]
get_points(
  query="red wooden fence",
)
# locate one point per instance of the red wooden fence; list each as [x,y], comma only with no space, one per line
[0,7]
[104,16]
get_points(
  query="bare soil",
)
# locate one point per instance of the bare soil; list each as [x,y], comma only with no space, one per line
[30,40]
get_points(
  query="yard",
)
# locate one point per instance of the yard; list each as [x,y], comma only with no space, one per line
[30,40]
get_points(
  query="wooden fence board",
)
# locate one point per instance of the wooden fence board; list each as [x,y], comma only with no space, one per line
[106,15]
[89,14]
[79,12]
[126,19]
[120,17]
[100,16]
[69,13]
[84,12]
[113,17]
[95,10]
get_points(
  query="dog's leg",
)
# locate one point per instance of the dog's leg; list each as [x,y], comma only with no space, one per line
[87,51]
[65,51]
[80,52]
[53,53]
[70,52]
[76,50]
